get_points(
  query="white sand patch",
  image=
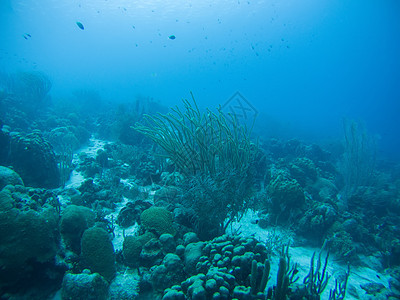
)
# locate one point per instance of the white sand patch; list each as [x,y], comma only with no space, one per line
[92,147]
[76,178]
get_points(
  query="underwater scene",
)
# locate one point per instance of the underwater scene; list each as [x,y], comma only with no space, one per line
[171,150]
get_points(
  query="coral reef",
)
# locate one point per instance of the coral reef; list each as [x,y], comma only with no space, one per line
[165,207]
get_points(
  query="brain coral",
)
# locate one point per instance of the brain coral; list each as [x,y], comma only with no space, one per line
[75,220]
[98,252]
[157,220]
[285,193]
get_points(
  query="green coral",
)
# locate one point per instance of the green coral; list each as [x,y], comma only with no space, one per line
[98,252]
[133,246]
[28,238]
[9,176]
[74,221]
[25,235]
[157,220]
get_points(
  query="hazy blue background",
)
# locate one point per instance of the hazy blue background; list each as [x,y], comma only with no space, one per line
[304,64]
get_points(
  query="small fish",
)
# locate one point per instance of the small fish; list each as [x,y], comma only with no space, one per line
[80,25]
[172,37]
[26,36]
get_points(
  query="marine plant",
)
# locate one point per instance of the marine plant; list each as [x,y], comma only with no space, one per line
[205,143]
[64,162]
[358,163]
[215,153]
[33,86]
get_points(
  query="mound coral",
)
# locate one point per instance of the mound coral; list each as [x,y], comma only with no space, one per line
[157,220]
[28,238]
[286,194]
[74,221]
[98,252]
[133,246]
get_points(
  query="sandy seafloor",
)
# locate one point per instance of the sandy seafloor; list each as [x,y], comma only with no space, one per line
[248,227]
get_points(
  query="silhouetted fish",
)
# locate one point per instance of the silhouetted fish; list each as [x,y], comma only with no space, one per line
[80,25]
[171,37]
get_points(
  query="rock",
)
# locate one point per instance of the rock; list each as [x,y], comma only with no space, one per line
[190,237]
[124,287]
[192,255]
[9,176]
[170,272]
[180,250]
[172,262]
[84,287]
[151,253]
[168,243]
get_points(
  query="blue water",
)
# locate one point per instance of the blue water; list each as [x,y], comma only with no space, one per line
[304,65]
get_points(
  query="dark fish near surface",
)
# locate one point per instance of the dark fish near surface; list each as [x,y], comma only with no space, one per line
[80,25]
[26,36]
[171,37]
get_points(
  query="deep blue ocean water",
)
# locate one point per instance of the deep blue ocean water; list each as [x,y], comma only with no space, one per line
[303,65]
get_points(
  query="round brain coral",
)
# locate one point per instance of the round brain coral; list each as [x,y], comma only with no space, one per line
[157,220]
